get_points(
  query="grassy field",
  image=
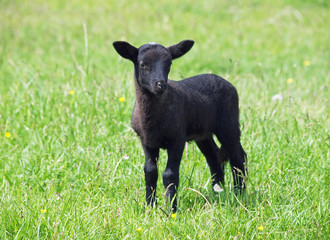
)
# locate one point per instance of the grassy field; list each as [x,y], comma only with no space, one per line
[72,168]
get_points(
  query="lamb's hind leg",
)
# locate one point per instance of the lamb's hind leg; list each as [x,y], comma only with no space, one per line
[228,133]
[216,159]
[230,141]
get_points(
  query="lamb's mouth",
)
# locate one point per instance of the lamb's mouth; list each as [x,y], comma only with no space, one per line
[161,86]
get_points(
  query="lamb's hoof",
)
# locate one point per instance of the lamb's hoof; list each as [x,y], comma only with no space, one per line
[217,188]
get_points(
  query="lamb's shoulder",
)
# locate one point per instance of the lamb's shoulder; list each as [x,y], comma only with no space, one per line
[155,128]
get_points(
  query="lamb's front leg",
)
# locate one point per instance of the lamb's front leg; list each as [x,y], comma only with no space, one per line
[151,173]
[171,173]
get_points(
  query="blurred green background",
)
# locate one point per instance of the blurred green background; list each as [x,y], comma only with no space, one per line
[70,165]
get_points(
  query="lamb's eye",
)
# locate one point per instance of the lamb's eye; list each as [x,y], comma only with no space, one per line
[142,65]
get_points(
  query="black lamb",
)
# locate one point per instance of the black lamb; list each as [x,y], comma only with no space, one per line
[168,113]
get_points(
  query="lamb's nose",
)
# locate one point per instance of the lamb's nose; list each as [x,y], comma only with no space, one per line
[161,84]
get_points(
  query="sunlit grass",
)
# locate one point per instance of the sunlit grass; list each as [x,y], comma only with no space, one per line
[70,164]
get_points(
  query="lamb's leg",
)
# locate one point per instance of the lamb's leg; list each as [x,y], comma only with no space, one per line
[237,161]
[151,173]
[216,159]
[228,133]
[237,156]
[171,173]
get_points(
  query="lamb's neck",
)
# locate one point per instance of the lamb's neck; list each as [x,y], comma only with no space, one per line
[149,102]
[150,106]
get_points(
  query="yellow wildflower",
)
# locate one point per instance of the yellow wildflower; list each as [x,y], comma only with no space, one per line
[307,63]
[261,228]
[71,92]
[173,215]
[121,99]
[139,229]
[7,134]
[290,80]
[43,210]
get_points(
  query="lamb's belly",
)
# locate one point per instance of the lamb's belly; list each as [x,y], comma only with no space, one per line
[198,135]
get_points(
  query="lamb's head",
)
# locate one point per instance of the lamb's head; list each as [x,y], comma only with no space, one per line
[152,62]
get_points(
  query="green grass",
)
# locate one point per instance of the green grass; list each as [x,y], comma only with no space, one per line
[72,168]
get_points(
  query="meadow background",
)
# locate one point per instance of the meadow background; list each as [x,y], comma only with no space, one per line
[72,168]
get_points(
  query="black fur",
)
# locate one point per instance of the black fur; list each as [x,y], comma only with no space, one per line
[169,113]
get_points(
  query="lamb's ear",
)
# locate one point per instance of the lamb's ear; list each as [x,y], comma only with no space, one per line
[181,48]
[126,50]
